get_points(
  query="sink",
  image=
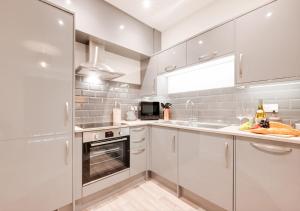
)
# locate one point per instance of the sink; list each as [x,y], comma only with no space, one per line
[196,124]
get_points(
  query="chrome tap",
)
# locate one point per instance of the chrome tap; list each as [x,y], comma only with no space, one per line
[189,110]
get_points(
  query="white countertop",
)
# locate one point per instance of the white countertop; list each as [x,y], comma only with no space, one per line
[230,130]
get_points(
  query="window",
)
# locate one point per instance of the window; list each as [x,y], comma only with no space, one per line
[218,73]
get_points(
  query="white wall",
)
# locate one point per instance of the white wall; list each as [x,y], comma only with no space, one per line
[207,17]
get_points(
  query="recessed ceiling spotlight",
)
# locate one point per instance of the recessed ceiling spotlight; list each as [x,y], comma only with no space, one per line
[68,1]
[200,42]
[146,3]
[269,14]
[43,64]
[61,22]
[122,27]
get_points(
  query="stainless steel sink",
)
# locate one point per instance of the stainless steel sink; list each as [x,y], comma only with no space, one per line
[196,124]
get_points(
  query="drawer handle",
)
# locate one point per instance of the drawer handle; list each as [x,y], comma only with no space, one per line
[138,129]
[272,149]
[139,141]
[170,68]
[138,151]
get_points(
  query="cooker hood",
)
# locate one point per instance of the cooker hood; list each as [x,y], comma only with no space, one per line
[96,65]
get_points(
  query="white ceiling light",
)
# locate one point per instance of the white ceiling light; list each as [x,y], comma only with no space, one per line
[269,14]
[68,2]
[147,3]
[122,27]
[61,22]
[43,64]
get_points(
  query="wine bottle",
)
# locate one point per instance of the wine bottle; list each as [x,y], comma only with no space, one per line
[260,113]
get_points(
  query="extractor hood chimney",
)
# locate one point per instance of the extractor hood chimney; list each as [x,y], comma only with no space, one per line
[96,65]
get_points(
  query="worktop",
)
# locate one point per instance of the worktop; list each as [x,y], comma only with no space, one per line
[230,130]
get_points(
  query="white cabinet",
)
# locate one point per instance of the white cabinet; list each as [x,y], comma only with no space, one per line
[36,110]
[212,44]
[138,150]
[106,22]
[164,152]
[149,76]
[172,59]
[268,44]
[267,176]
[206,166]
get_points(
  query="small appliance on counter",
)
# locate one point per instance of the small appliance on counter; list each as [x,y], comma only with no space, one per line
[117,113]
[149,110]
[131,113]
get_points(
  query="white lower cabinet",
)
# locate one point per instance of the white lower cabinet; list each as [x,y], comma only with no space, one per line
[267,176]
[205,163]
[164,152]
[138,150]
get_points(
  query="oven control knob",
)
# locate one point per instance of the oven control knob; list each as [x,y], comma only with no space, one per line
[97,136]
[120,133]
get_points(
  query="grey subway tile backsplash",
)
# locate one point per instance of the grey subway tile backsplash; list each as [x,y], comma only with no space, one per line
[94,102]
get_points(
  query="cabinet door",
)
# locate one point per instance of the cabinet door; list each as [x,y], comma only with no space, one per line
[267,176]
[206,166]
[149,75]
[172,58]
[36,70]
[164,152]
[36,174]
[268,44]
[214,43]
[36,110]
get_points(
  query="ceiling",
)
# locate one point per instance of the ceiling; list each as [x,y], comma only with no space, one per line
[160,14]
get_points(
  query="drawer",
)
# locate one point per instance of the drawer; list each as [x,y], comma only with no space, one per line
[138,161]
[138,133]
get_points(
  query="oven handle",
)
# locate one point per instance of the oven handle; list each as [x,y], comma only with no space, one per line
[108,142]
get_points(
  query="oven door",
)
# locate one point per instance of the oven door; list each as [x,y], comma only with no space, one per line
[103,158]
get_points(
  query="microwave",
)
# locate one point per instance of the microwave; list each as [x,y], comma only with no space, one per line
[149,110]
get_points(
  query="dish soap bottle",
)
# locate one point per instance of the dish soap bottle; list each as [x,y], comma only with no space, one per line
[260,113]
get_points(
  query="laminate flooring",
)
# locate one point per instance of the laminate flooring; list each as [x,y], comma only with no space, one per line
[148,196]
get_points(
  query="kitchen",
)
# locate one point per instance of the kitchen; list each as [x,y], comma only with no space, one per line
[150,105]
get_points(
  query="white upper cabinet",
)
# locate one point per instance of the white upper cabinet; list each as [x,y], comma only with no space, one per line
[164,152]
[267,176]
[172,59]
[149,76]
[209,45]
[268,44]
[205,163]
[102,20]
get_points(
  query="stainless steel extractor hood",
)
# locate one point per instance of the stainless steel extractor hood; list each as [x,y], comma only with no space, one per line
[96,65]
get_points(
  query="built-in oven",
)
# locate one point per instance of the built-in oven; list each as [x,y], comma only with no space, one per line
[149,110]
[104,153]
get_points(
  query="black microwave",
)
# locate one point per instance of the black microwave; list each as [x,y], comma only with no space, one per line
[149,110]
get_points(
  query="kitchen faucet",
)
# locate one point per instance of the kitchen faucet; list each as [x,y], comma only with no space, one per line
[189,110]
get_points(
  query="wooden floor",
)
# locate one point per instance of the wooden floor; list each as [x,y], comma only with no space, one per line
[148,196]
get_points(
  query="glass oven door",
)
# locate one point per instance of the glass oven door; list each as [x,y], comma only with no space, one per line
[103,158]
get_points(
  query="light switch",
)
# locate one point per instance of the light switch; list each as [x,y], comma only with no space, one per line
[269,108]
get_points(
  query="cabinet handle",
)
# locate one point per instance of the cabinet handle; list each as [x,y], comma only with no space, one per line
[138,129]
[241,65]
[137,151]
[67,113]
[154,86]
[227,154]
[208,56]
[67,152]
[174,144]
[170,68]
[139,141]
[272,149]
